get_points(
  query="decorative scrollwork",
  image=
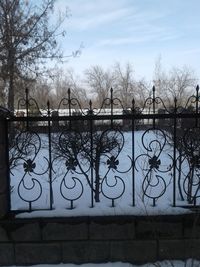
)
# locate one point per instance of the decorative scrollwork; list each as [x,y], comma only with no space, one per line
[83,150]
[83,153]
[191,144]
[112,187]
[71,164]
[112,163]
[150,164]
[70,143]
[29,190]
[28,144]
[25,153]
[71,189]
[68,148]
[29,166]
[154,162]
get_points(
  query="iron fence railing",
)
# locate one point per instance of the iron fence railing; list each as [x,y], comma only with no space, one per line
[111,156]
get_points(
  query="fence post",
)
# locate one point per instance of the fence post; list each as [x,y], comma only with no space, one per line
[4,179]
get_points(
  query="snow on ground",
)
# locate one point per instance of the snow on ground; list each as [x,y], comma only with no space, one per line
[151,149]
[166,263]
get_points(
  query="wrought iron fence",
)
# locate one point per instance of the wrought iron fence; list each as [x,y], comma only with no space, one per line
[71,156]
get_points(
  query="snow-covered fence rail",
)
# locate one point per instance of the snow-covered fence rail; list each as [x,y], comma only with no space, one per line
[79,166]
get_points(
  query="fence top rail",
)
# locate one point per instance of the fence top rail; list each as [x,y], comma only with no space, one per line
[152,107]
[107,117]
[112,103]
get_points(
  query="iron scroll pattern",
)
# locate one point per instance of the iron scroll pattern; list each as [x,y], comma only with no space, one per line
[89,154]
[92,160]
[155,165]
[24,167]
[75,157]
[188,165]
[29,164]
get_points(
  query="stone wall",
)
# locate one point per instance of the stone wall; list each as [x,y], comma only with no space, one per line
[98,239]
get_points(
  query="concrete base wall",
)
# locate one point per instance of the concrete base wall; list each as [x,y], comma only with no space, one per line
[89,239]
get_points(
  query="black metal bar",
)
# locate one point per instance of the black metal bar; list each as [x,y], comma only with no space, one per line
[8,166]
[50,158]
[69,103]
[91,157]
[133,152]
[174,154]
[197,105]
[154,107]
[109,117]
[179,172]
[111,106]
[30,206]
[27,109]
[71,204]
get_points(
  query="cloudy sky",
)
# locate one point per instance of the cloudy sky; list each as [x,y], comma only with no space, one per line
[135,31]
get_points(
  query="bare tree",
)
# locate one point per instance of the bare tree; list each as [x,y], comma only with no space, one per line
[64,80]
[100,82]
[27,41]
[125,85]
[41,91]
[128,87]
[142,91]
[177,82]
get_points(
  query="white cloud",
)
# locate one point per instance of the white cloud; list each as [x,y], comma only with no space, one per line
[94,21]
[123,41]
[191,51]
[133,30]
[89,14]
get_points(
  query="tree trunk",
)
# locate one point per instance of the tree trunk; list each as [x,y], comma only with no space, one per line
[97,178]
[11,91]
[97,187]
[10,103]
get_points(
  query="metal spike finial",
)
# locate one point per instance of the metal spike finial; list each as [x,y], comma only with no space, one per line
[197,88]
[48,107]
[133,105]
[26,94]
[27,103]
[90,111]
[175,103]
[111,92]
[154,89]
[111,97]
[69,92]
